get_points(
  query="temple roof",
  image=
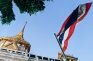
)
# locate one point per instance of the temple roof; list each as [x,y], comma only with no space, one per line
[15,42]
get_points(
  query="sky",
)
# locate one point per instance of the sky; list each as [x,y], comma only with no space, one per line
[40,29]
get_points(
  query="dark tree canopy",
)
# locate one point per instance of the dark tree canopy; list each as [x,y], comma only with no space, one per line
[29,6]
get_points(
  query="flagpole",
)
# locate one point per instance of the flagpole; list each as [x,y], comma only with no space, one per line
[63,54]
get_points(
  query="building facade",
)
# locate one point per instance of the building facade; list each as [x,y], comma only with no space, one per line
[11,55]
[68,57]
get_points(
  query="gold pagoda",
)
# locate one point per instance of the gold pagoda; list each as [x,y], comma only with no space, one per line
[16,43]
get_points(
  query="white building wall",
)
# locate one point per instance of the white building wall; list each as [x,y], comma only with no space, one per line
[8,55]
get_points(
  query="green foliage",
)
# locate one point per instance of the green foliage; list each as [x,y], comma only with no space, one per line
[28,6]
[6,11]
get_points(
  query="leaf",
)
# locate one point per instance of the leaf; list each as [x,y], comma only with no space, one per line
[28,6]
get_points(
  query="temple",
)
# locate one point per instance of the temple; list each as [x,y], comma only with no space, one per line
[16,43]
[68,57]
[18,49]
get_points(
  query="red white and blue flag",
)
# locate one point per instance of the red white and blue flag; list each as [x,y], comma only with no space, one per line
[68,26]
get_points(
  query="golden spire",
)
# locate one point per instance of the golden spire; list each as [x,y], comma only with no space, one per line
[21,34]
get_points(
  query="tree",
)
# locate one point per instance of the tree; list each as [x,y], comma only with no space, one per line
[28,6]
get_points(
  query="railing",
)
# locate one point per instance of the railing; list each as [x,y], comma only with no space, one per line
[12,54]
[33,57]
[24,55]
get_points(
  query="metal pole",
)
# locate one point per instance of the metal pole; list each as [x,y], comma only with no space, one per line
[63,55]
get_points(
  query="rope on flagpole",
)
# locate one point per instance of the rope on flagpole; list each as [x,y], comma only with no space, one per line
[63,54]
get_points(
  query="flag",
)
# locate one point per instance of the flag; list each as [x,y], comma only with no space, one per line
[70,23]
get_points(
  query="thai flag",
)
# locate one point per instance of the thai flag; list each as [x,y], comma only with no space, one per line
[68,26]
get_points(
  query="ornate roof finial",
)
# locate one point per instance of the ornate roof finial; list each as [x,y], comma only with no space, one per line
[20,34]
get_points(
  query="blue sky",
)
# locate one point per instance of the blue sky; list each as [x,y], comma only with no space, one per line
[41,27]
